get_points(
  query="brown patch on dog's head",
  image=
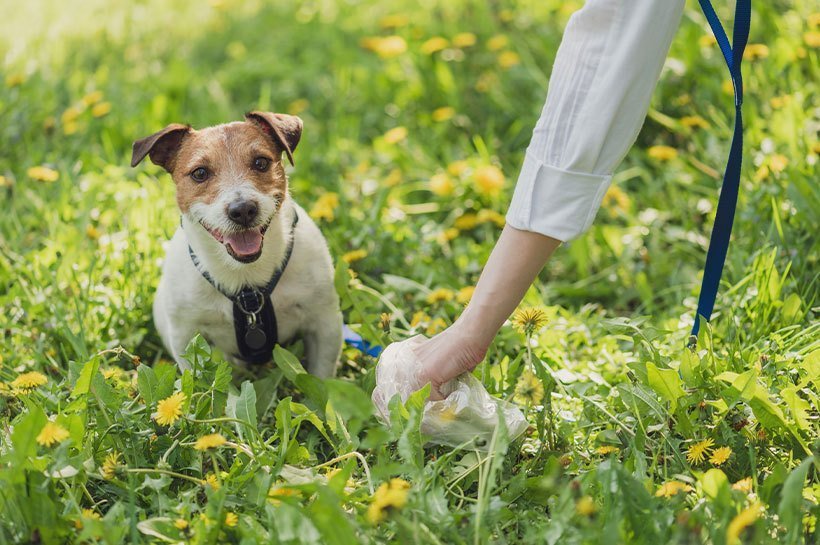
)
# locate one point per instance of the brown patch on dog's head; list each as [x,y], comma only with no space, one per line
[162,146]
[228,154]
[285,129]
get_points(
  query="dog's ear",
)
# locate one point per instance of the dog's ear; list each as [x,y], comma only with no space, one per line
[285,129]
[162,146]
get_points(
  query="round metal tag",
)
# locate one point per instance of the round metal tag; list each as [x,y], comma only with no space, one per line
[255,338]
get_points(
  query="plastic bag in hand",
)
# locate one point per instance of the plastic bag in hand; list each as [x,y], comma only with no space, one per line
[469,414]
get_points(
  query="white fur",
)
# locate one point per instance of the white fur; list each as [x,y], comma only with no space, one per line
[305,299]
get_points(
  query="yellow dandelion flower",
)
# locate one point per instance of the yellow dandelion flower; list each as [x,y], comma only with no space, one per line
[814,20]
[707,40]
[231,519]
[439,295]
[5,182]
[101,109]
[15,79]
[436,325]
[354,255]
[419,318]
[672,488]
[395,135]
[662,153]
[70,128]
[92,98]
[694,121]
[112,373]
[445,113]
[720,455]
[212,481]
[52,434]
[447,235]
[389,497]
[529,320]
[433,45]
[279,491]
[616,199]
[457,168]
[780,101]
[92,232]
[88,514]
[464,39]
[489,180]
[27,381]
[486,215]
[508,59]
[727,87]
[43,174]
[110,465]
[394,21]
[778,163]
[465,222]
[529,390]
[756,51]
[465,294]
[180,524]
[213,440]
[812,39]
[384,321]
[325,206]
[585,506]
[499,41]
[744,519]
[170,409]
[743,485]
[441,184]
[70,115]
[298,106]
[698,452]
[607,449]
[385,47]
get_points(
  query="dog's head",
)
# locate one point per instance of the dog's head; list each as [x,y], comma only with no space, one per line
[229,178]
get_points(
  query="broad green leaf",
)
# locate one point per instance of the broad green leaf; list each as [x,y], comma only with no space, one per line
[791,515]
[166,377]
[147,384]
[243,407]
[288,363]
[798,407]
[715,484]
[666,384]
[83,384]
[23,437]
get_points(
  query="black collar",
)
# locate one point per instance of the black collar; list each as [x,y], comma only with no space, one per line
[254,320]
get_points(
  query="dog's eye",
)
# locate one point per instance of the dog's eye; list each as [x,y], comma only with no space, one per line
[200,174]
[261,164]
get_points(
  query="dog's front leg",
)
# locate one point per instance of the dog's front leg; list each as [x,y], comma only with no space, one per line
[323,344]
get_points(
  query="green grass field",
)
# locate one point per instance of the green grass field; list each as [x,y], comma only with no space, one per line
[416,119]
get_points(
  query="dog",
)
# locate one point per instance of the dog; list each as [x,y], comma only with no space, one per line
[240,231]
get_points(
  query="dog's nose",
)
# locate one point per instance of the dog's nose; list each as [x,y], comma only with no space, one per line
[243,212]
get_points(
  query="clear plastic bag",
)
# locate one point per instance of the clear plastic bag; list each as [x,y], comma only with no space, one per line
[469,414]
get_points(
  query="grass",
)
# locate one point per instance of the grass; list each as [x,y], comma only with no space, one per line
[398,161]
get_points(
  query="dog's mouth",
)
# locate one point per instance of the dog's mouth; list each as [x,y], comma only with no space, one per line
[245,245]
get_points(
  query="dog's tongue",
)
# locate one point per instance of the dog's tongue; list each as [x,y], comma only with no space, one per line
[245,242]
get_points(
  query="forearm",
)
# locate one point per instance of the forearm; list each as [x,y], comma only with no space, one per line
[514,263]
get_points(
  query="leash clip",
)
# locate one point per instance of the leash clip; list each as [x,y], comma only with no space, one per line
[250,301]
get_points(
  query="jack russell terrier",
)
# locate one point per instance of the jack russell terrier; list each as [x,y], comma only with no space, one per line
[247,268]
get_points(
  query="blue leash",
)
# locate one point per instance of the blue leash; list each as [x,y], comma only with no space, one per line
[727,203]
[725,215]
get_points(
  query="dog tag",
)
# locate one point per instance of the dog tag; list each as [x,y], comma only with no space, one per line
[255,338]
